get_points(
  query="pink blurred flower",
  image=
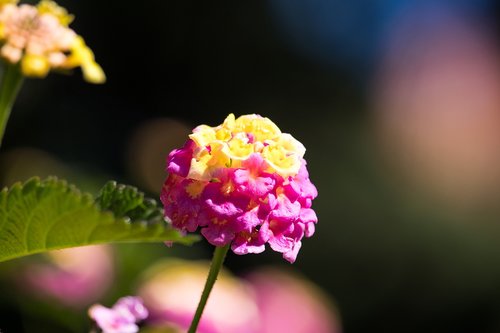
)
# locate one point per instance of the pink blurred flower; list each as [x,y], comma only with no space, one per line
[438,108]
[290,304]
[244,183]
[267,301]
[122,317]
[171,291]
[75,277]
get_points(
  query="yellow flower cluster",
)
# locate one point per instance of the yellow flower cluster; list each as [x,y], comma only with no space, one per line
[232,142]
[39,38]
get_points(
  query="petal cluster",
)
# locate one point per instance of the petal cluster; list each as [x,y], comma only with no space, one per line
[122,317]
[39,39]
[243,182]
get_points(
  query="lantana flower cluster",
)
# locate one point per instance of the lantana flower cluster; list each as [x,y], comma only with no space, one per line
[122,317]
[39,38]
[244,183]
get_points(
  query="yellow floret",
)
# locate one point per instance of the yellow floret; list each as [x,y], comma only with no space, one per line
[199,169]
[203,135]
[2,30]
[290,144]
[8,2]
[82,55]
[205,161]
[52,8]
[223,134]
[260,127]
[229,122]
[195,189]
[220,155]
[93,73]
[239,148]
[35,65]
[283,162]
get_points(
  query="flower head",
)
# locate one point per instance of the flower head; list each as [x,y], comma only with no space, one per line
[39,39]
[243,182]
[122,317]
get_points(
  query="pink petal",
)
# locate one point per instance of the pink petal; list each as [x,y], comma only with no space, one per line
[281,243]
[248,220]
[310,229]
[179,160]
[291,256]
[285,210]
[308,215]
[218,236]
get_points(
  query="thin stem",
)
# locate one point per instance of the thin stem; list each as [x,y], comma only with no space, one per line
[11,83]
[217,261]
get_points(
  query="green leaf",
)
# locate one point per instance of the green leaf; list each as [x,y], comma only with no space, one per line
[39,216]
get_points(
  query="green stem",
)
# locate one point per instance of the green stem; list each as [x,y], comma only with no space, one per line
[218,259]
[11,83]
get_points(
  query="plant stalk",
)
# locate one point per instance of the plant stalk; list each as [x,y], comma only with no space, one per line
[12,80]
[217,261]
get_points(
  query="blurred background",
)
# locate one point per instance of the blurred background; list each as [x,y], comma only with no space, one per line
[397,103]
